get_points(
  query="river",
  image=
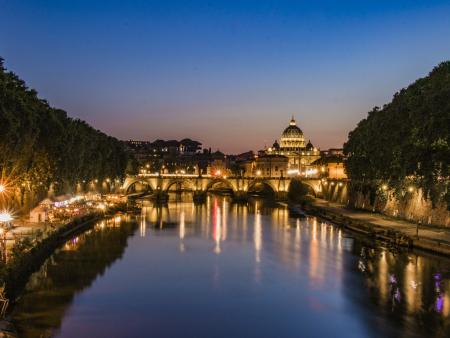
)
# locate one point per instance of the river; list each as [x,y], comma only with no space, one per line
[229,270]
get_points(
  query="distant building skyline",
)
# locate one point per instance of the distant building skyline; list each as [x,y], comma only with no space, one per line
[226,73]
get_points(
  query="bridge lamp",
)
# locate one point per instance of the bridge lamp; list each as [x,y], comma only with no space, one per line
[258,173]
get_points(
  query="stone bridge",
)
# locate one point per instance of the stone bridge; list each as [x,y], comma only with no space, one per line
[240,186]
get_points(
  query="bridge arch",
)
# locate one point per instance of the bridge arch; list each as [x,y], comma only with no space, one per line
[132,185]
[217,181]
[183,183]
[309,185]
[261,185]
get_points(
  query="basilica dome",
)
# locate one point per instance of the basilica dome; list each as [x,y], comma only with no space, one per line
[292,138]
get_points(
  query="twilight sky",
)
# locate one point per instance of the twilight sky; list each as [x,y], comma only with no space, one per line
[227,73]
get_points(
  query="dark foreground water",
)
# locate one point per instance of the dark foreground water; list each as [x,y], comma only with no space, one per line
[222,270]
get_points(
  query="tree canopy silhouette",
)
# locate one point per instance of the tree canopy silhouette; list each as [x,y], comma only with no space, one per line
[40,145]
[408,140]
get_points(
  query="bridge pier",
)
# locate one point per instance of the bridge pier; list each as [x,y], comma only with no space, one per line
[281,196]
[240,196]
[199,196]
[160,196]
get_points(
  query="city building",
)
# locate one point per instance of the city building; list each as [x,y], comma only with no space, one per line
[292,145]
[271,165]
[331,165]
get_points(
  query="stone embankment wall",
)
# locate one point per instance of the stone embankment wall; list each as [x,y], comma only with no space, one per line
[412,206]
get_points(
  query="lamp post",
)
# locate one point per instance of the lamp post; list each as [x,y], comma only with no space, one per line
[5,218]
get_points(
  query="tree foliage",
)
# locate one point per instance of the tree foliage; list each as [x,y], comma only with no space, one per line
[41,145]
[408,140]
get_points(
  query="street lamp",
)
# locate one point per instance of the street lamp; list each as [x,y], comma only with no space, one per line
[2,188]
[5,217]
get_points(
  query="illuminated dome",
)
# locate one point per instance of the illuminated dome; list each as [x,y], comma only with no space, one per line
[292,138]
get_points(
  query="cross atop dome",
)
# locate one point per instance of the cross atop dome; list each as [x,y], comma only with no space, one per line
[292,123]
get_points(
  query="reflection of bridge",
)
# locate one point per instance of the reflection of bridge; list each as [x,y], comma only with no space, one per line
[239,186]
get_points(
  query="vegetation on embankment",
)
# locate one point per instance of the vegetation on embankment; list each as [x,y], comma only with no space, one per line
[29,254]
[42,148]
[406,143]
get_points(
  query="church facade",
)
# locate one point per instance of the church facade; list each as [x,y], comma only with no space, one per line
[300,155]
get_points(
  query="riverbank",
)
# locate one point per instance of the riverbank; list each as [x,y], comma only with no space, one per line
[395,232]
[31,253]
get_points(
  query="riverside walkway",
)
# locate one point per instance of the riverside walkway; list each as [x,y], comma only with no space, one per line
[432,238]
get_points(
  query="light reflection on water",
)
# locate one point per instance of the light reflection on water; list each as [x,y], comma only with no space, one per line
[222,270]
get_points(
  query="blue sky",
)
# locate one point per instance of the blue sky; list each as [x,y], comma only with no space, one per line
[228,73]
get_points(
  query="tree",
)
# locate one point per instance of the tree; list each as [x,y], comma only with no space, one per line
[408,140]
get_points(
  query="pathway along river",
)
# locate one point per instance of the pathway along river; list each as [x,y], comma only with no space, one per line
[226,270]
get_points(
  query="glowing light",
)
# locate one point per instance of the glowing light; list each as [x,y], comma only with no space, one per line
[2,188]
[411,189]
[5,217]
[293,172]
[101,207]
[258,173]
[217,173]
[384,187]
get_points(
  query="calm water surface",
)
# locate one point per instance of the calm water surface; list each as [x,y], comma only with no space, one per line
[225,270]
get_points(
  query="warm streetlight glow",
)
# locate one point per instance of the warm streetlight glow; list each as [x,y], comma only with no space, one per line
[5,217]
[384,187]
[258,173]
[411,189]
[2,188]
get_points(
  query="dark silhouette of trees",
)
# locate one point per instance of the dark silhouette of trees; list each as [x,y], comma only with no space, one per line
[408,140]
[41,145]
